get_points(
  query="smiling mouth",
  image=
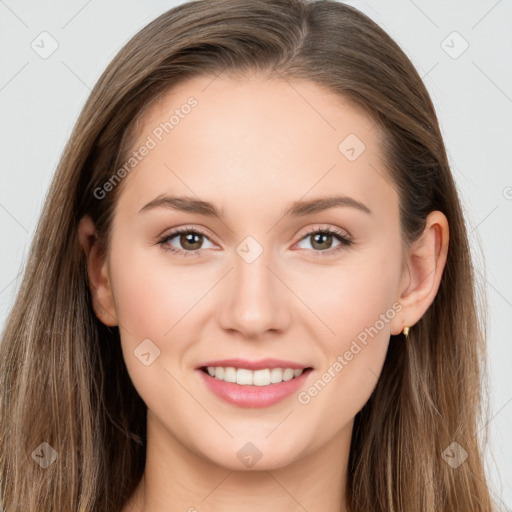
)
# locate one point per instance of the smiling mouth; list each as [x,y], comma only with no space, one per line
[246,377]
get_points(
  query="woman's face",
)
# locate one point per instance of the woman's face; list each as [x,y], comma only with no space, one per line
[259,282]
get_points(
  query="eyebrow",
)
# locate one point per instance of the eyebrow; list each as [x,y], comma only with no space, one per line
[296,209]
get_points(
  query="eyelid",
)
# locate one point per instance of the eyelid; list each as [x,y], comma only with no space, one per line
[188,227]
[326,227]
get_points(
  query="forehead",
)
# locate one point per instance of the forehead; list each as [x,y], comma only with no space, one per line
[231,139]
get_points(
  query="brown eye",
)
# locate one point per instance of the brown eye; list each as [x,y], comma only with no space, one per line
[189,242]
[322,241]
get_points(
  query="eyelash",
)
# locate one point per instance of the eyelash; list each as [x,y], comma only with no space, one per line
[344,241]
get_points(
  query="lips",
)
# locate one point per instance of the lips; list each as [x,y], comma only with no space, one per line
[253,396]
[255,365]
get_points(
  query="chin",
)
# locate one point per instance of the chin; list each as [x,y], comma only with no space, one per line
[255,456]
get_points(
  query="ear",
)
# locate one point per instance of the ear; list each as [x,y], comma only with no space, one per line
[422,271]
[102,297]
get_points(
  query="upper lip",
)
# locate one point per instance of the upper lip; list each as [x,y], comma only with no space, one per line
[261,364]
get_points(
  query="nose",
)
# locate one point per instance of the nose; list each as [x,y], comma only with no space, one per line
[255,300]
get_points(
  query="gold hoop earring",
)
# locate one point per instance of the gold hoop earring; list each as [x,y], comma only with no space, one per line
[406,331]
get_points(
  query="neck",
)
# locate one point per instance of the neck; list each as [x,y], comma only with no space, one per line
[176,477]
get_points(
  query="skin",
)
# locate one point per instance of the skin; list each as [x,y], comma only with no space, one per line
[252,146]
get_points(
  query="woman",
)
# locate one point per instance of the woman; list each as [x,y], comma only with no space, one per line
[316,347]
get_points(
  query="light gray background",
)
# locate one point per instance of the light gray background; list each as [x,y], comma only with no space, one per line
[40,100]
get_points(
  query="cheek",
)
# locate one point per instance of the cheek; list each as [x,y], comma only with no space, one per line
[357,315]
[149,302]
[349,298]
[358,305]
[151,294]
[152,300]
[159,300]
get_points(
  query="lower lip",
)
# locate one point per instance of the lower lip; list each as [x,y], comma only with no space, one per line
[253,396]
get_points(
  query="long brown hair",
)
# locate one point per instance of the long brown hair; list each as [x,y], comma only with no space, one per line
[62,375]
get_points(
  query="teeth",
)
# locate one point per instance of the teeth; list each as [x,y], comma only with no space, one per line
[246,377]
[230,374]
[242,376]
